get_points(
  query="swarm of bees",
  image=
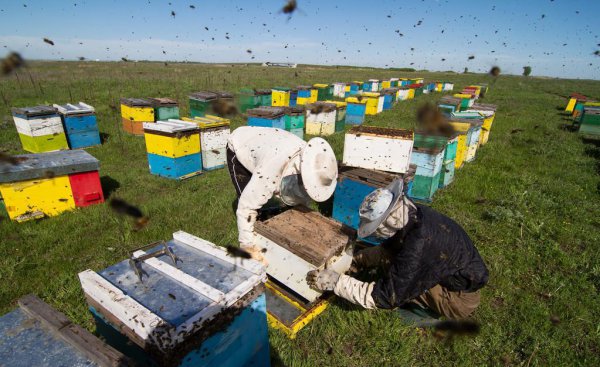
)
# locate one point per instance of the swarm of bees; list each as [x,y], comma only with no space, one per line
[49,41]
[495,71]
[431,121]
[12,62]
[224,107]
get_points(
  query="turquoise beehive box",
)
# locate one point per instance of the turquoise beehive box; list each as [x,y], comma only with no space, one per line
[182,302]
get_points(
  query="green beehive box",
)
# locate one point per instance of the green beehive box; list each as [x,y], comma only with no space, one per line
[425,141]
[590,122]
[247,99]
[200,103]
[164,109]
[294,118]
[264,97]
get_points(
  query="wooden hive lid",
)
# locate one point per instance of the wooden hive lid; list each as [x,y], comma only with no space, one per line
[47,165]
[35,334]
[266,112]
[175,305]
[203,96]
[355,100]
[223,94]
[339,104]
[318,107]
[382,132]
[320,85]
[295,110]
[306,233]
[484,106]
[34,111]
[304,87]
[390,90]
[74,109]
[163,102]
[262,92]
[136,102]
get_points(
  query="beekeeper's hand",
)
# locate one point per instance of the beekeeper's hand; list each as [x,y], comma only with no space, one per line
[322,280]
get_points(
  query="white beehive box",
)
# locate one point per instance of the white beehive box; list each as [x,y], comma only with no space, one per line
[298,241]
[339,90]
[320,119]
[378,148]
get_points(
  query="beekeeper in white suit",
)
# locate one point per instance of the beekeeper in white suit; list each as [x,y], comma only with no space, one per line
[266,162]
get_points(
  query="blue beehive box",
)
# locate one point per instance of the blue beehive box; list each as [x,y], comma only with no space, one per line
[35,334]
[80,124]
[293,97]
[184,302]
[266,116]
[354,184]
[355,111]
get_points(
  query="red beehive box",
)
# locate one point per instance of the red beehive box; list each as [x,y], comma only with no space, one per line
[86,188]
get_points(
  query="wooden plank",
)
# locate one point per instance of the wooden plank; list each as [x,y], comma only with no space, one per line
[202,288]
[86,343]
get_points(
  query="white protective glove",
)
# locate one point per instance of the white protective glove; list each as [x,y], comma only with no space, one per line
[322,280]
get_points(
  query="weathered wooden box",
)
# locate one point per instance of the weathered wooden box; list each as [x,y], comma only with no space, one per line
[355,111]
[35,334]
[165,109]
[184,302]
[320,118]
[214,132]
[40,129]
[173,149]
[298,241]
[267,116]
[80,124]
[378,148]
[48,184]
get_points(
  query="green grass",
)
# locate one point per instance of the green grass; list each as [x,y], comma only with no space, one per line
[530,202]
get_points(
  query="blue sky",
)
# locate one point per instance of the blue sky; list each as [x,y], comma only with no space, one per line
[557,38]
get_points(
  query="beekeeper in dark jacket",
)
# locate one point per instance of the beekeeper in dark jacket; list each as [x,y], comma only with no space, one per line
[427,257]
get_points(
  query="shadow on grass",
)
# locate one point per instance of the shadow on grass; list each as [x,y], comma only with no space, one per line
[568,127]
[276,360]
[104,137]
[109,185]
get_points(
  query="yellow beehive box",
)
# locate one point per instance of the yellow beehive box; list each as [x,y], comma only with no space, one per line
[137,109]
[571,105]
[386,84]
[172,139]
[462,128]
[411,93]
[314,95]
[439,87]
[374,102]
[280,98]
[36,198]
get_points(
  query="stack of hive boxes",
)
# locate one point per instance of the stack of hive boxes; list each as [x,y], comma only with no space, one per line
[134,113]
[488,112]
[214,133]
[428,155]
[321,118]
[40,129]
[340,115]
[48,184]
[173,149]
[373,157]
[449,165]
[265,97]
[304,95]
[449,105]
[80,124]
[390,96]
[266,116]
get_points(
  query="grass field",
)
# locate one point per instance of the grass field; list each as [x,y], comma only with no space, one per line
[530,202]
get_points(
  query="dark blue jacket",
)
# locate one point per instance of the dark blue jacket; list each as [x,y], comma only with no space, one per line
[432,249]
